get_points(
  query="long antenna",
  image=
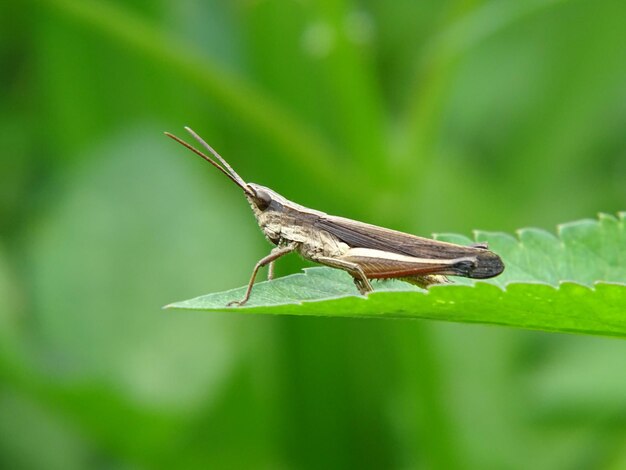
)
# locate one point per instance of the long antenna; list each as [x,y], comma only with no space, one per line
[234,176]
[215,154]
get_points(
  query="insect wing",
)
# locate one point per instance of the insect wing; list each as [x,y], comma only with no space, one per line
[377,264]
[361,235]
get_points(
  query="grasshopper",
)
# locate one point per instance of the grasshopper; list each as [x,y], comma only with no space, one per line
[365,251]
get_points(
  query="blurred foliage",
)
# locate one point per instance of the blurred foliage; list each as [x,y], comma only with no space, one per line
[424,116]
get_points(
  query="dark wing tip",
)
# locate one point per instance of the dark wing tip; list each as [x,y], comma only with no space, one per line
[487,265]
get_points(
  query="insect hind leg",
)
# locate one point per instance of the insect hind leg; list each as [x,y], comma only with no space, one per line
[360,279]
[426,281]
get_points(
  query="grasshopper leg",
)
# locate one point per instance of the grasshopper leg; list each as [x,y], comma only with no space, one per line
[360,280]
[480,245]
[269,259]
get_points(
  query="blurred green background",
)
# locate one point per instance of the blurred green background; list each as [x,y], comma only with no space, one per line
[424,116]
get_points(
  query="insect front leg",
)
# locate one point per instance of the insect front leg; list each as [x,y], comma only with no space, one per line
[361,281]
[269,259]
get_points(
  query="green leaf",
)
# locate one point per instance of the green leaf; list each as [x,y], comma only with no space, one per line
[575,282]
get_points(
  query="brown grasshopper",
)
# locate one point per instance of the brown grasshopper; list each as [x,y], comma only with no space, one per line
[365,251]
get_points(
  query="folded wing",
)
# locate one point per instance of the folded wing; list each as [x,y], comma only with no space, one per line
[357,234]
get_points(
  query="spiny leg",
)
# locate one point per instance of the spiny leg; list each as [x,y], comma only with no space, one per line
[273,256]
[363,288]
[480,245]
[426,281]
[360,280]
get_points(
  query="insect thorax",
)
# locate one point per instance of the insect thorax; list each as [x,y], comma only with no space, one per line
[283,228]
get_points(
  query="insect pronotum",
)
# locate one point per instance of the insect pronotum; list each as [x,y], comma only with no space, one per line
[365,251]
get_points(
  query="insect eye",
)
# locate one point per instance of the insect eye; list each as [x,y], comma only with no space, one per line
[262,200]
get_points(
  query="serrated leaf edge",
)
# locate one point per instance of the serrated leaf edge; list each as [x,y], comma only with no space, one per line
[620,218]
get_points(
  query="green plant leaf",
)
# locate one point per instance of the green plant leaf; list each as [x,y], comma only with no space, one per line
[574,282]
